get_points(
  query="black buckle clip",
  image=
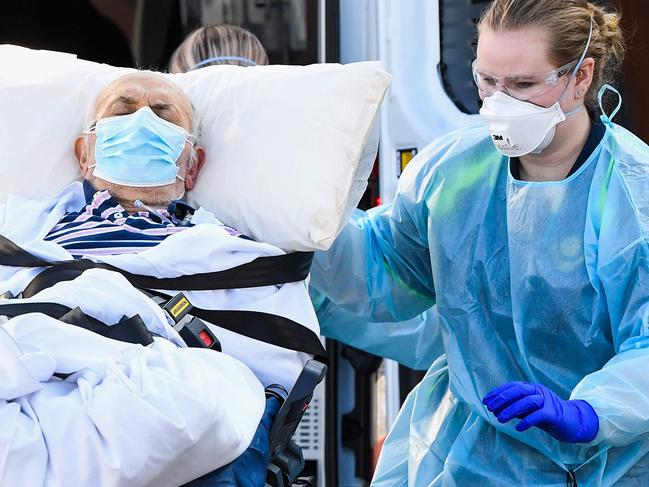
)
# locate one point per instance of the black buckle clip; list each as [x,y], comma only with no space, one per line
[197,334]
[178,307]
[193,331]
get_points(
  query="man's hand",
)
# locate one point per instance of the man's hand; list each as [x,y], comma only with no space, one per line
[572,421]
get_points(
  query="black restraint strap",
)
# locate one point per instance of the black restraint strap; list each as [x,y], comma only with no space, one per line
[131,330]
[263,271]
[268,328]
[265,327]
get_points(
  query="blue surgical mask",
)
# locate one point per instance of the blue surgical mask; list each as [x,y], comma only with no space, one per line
[139,149]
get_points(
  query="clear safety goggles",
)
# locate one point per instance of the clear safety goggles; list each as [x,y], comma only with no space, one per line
[521,87]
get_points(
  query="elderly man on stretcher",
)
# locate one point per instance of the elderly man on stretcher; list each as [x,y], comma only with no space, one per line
[79,408]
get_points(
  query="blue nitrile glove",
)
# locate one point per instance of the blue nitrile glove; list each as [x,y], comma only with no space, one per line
[572,421]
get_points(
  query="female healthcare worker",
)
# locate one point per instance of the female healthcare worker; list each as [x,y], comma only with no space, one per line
[531,235]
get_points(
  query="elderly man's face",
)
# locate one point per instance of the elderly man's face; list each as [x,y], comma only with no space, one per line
[124,96]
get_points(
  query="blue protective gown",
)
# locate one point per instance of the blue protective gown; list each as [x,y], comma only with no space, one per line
[393,340]
[543,282]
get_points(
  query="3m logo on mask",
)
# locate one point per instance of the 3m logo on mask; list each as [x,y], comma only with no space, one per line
[501,141]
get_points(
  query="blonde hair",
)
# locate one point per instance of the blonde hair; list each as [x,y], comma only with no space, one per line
[568,24]
[217,40]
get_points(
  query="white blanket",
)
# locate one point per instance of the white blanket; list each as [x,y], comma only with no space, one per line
[131,415]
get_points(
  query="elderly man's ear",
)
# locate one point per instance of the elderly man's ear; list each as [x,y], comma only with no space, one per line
[194,170]
[81,154]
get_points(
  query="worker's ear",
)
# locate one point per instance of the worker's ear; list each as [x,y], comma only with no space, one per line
[584,77]
[82,154]
[194,169]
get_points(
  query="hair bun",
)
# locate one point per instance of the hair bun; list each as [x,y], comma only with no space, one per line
[610,31]
[608,23]
[597,12]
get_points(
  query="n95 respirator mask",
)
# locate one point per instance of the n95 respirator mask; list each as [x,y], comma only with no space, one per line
[518,127]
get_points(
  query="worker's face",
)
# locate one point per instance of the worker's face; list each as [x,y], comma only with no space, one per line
[520,64]
[124,96]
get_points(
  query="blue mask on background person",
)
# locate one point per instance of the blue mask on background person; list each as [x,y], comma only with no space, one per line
[223,60]
[139,149]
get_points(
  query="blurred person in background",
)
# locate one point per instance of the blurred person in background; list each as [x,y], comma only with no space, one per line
[218,44]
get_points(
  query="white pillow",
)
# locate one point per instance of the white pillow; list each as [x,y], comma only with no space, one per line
[283,143]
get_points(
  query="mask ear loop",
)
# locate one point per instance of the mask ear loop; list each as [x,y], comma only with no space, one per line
[608,119]
[87,132]
[583,54]
[574,71]
[191,140]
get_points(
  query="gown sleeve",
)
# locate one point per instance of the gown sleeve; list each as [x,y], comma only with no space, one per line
[379,266]
[619,238]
